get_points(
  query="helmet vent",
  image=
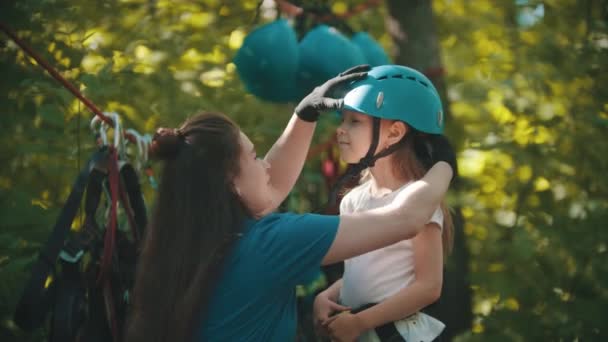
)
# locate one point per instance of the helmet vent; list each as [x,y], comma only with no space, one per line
[382,78]
[412,78]
[397,76]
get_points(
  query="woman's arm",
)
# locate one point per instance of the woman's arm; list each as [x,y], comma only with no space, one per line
[425,290]
[287,155]
[402,219]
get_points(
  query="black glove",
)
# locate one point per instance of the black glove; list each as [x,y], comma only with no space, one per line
[319,99]
[433,148]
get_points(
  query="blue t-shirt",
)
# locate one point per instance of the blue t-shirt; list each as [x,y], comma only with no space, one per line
[255,297]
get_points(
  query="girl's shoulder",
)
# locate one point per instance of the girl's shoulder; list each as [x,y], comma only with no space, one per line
[358,191]
[404,186]
[355,198]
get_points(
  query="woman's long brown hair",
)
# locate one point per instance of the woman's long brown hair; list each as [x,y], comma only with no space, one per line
[194,224]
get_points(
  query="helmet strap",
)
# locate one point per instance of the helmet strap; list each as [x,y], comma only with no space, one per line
[354,170]
[368,161]
[370,158]
[394,147]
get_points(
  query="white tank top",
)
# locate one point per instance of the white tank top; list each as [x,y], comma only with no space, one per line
[379,274]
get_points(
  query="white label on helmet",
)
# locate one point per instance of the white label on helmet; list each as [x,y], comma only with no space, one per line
[379,100]
[439,118]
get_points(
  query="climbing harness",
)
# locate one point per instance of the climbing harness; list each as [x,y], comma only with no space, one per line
[83,276]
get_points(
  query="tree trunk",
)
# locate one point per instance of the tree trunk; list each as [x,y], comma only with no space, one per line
[412,29]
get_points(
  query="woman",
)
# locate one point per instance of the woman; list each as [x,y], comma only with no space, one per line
[216,264]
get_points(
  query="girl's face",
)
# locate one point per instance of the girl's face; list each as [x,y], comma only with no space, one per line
[253,182]
[355,135]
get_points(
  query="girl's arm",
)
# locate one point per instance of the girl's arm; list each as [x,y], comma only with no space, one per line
[326,304]
[333,291]
[425,290]
[406,216]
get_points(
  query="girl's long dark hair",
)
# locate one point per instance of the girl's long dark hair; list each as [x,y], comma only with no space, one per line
[196,219]
[417,154]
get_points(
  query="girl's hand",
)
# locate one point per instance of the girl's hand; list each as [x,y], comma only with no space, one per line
[324,307]
[344,327]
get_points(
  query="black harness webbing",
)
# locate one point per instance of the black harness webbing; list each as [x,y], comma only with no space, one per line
[78,301]
[34,302]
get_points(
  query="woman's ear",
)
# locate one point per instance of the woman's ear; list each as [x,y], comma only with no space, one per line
[396,132]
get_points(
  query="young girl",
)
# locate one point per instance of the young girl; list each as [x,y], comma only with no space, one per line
[391,126]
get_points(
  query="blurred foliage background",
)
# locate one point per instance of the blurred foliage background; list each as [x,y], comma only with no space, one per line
[527,93]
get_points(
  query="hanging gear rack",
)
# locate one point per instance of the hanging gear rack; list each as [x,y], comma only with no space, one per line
[89,299]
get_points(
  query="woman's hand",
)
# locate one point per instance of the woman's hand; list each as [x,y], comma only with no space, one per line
[323,308]
[344,327]
[433,148]
[320,99]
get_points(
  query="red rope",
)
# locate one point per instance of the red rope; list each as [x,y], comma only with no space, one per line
[44,64]
[110,235]
[358,9]
[294,11]
[55,74]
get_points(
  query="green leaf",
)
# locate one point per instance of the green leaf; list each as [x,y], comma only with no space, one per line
[51,114]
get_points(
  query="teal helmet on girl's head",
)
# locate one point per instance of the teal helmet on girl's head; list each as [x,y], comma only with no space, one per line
[397,92]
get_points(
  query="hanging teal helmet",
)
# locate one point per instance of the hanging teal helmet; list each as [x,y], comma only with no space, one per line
[373,52]
[324,53]
[268,60]
[397,92]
